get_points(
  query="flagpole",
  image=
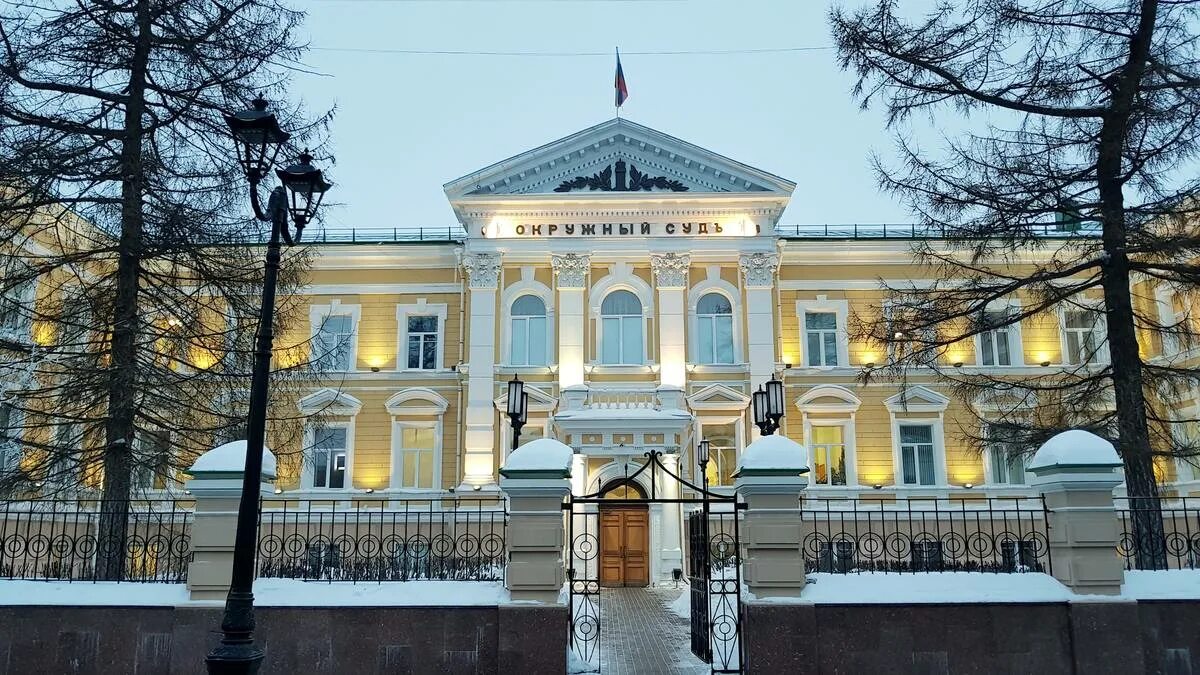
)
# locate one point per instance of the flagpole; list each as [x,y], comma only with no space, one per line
[615,97]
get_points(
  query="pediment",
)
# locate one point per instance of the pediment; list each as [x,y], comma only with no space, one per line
[828,398]
[539,401]
[416,401]
[917,399]
[718,397]
[329,401]
[617,156]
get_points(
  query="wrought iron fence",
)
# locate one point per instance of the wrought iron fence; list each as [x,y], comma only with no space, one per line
[918,231]
[453,538]
[925,535]
[62,539]
[1158,533]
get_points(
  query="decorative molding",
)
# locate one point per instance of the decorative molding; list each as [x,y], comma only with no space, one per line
[637,181]
[398,404]
[483,269]
[571,270]
[329,401]
[759,269]
[670,270]
[381,289]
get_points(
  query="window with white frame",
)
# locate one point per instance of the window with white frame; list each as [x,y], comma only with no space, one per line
[529,433]
[1187,436]
[422,342]
[996,345]
[1178,320]
[821,338]
[1006,462]
[528,337]
[68,446]
[329,452]
[417,456]
[1083,335]
[333,342]
[15,315]
[917,454]
[906,337]
[722,452]
[152,469]
[621,326]
[714,329]
[10,433]
[828,447]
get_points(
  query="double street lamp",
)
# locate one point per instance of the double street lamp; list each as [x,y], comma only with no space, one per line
[301,188]
[767,404]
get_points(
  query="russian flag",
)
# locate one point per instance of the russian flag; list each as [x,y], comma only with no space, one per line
[622,90]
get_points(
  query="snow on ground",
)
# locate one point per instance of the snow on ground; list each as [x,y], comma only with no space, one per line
[1162,585]
[682,606]
[577,664]
[106,593]
[932,588]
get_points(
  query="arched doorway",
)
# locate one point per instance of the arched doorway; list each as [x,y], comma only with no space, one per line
[624,534]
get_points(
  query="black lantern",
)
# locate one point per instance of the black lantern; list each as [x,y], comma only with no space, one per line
[774,402]
[259,138]
[306,185]
[517,408]
[702,454]
[759,405]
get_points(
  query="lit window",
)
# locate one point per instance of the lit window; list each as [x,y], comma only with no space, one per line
[333,343]
[916,454]
[820,338]
[422,342]
[714,328]
[722,452]
[417,457]
[528,346]
[828,447]
[1083,331]
[621,329]
[329,457]
[1007,462]
[995,348]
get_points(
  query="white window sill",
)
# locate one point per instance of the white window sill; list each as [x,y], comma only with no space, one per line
[526,370]
[621,369]
[718,368]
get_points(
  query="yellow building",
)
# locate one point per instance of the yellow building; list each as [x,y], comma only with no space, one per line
[642,288]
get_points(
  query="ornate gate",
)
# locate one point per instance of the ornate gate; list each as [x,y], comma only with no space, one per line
[714,571]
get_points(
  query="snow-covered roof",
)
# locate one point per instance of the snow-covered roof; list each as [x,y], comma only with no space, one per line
[774,453]
[1075,448]
[542,455]
[231,458]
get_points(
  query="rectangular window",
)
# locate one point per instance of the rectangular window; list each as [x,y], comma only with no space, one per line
[714,341]
[722,452]
[916,454]
[1187,436]
[417,457]
[994,345]
[68,446]
[329,457]
[528,341]
[14,316]
[622,340]
[422,342]
[152,462]
[820,335]
[333,343]
[9,432]
[828,448]
[1083,330]
[1005,457]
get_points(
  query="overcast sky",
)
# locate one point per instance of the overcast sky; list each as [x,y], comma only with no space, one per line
[407,123]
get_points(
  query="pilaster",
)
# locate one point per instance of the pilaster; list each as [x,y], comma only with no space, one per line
[571,275]
[671,279]
[483,273]
[758,272]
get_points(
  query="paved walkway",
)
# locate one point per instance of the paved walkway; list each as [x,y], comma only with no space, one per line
[641,636]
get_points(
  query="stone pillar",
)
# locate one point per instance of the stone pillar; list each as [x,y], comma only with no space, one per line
[571,273]
[1076,473]
[216,485]
[671,279]
[479,441]
[536,478]
[769,479]
[671,553]
[758,270]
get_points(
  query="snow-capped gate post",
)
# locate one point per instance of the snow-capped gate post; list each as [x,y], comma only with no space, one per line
[536,478]
[1076,472]
[770,478]
[216,485]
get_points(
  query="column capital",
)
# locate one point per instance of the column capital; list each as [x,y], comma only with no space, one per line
[483,270]
[670,270]
[759,269]
[571,270]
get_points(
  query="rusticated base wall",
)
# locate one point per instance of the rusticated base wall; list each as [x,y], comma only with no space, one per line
[318,640]
[1131,638]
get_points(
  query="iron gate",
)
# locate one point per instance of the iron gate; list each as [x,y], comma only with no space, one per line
[714,572]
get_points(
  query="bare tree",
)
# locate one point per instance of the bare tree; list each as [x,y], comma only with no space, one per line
[1063,188]
[122,197]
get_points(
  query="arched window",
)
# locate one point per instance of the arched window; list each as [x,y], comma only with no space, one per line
[621,328]
[528,343]
[714,329]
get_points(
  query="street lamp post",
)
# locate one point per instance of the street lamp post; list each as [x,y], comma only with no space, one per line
[258,134]
[702,451]
[767,406]
[517,408]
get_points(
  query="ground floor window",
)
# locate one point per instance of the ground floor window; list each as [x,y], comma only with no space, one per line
[330,447]
[1006,462]
[828,447]
[417,457]
[722,452]
[916,454]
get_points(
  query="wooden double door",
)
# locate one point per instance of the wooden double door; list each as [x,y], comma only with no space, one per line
[624,546]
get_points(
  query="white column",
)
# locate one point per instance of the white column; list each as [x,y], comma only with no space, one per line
[671,276]
[483,272]
[758,270]
[671,553]
[570,273]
